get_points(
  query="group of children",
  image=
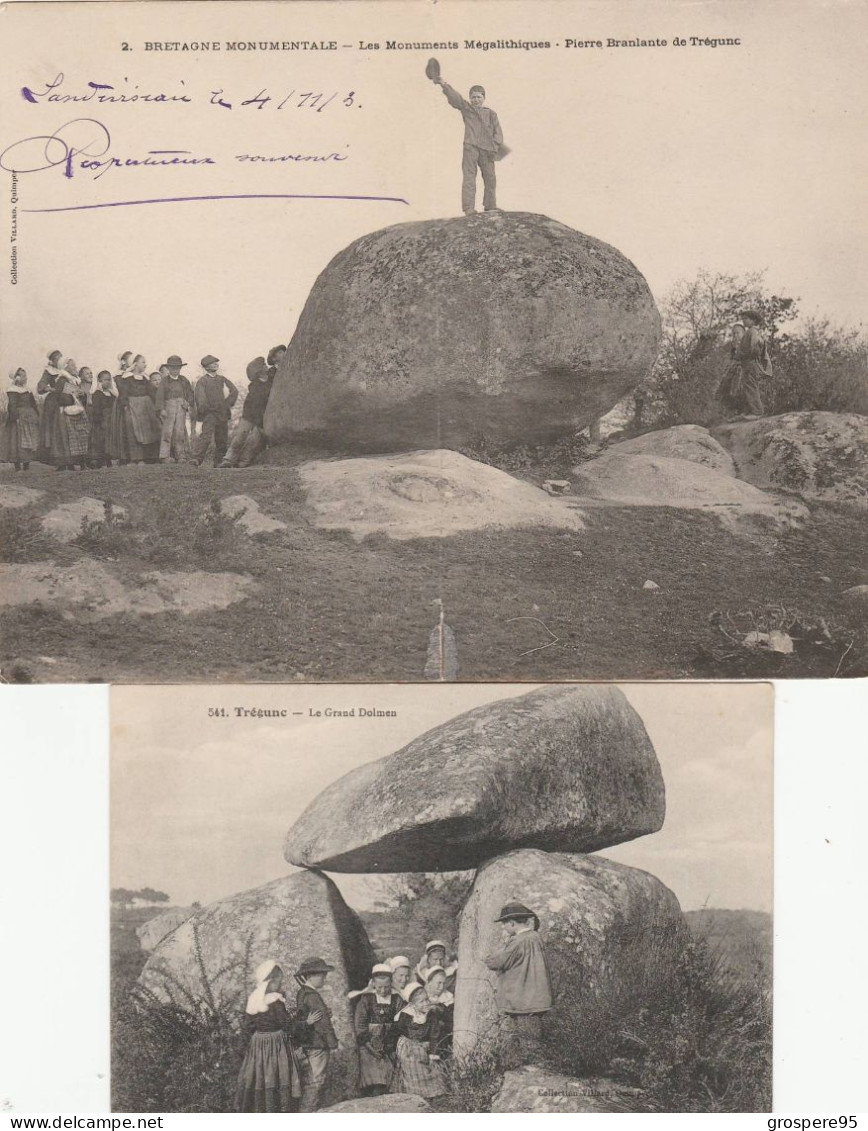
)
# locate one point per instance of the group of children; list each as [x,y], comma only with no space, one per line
[402,1021]
[133,416]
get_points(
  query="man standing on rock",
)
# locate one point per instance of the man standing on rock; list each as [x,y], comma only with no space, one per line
[483,141]
[752,354]
[524,991]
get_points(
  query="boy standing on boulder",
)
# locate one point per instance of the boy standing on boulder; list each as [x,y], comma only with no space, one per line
[483,141]
[524,991]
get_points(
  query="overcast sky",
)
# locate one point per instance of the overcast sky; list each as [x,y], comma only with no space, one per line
[729,158]
[200,805]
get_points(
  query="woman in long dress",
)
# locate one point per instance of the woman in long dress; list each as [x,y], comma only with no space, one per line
[270,1078]
[71,436]
[20,436]
[103,402]
[141,425]
[374,1012]
[49,408]
[442,1003]
[116,436]
[419,1068]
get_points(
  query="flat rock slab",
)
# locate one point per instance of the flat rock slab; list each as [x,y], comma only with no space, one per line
[532,1089]
[11,495]
[683,441]
[425,495]
[617,479]
[252,519]
[211,957]
[609,932]
[856,597]
[397,1103]
[818,455]
[426,334]
[567,767]
[64,521]
[88,590]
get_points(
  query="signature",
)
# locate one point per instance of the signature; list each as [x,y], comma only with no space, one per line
[83,143]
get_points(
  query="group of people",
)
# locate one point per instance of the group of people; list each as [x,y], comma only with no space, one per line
[402,1021]
[133,416]
[749,363]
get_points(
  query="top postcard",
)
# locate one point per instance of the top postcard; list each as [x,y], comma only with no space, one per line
[451,341]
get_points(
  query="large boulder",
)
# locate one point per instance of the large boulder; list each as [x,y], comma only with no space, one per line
[818,455]
[151,933]
[208,961]
[633,480]
[609,931]
[428,335]
[425,495]
[567,767]
[532,1089]
[684,441]
[396,1103]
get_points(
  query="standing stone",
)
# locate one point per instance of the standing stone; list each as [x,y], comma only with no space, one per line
[567,767]
[208,961]
[427,335]
[608,931]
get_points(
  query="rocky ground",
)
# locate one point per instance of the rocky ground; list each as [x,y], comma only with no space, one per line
[180,591]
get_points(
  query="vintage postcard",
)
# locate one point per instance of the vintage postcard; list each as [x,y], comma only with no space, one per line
[459,340]
[453,898]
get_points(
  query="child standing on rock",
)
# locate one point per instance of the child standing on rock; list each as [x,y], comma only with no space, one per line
[483,141]
[524,990]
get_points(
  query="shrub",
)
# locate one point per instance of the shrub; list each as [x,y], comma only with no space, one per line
[22,538]
[109,536]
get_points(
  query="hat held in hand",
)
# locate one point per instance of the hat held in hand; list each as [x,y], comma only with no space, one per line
[432,70]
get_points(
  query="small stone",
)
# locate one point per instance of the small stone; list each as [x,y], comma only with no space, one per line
[651,586]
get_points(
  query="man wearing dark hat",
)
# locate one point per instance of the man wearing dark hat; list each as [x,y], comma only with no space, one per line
[483,144]
[524,990]
[213,408]
[753,356]
[320,1043]
[248,439]
[174,404]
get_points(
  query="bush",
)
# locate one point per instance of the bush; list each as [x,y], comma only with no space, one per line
[22,538]
[110,536]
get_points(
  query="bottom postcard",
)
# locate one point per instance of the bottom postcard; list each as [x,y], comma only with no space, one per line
[442,897]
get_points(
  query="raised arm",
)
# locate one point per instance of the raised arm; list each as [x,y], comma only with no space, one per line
[503,958]
[453,97]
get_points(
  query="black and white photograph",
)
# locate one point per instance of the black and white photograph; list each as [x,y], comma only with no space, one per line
[429,898]
[456,341]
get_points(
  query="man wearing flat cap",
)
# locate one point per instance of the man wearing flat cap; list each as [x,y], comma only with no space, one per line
[524,989]
[322,1041]
[215,395]
[174,404]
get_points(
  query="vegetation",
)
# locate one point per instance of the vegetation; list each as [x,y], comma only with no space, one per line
[817,365]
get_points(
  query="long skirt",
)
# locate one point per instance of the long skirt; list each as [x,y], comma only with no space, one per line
[374,1068]
[142,426]
[47,421]
[20,438]
[71,437]
[269,1079]
[100,435]
[416,1073]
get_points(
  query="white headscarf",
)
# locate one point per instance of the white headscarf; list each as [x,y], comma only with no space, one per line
[411,1010]
[13,388]
[261,999]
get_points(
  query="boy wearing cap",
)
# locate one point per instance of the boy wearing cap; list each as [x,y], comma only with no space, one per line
[213,408]
[483,144]
[174,404]
[248,439]
[524,990]
[320,1039]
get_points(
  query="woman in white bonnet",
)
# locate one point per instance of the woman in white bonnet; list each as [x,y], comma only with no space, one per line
[270,1080]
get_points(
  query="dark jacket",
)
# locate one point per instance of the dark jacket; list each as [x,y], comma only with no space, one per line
[172,388]
[256,401]
[321,1035]
[211,398]
[275,1018]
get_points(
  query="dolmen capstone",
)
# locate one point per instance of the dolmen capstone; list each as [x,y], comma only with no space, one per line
[608,929]
[567,768]
[207,962]
[510,325]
